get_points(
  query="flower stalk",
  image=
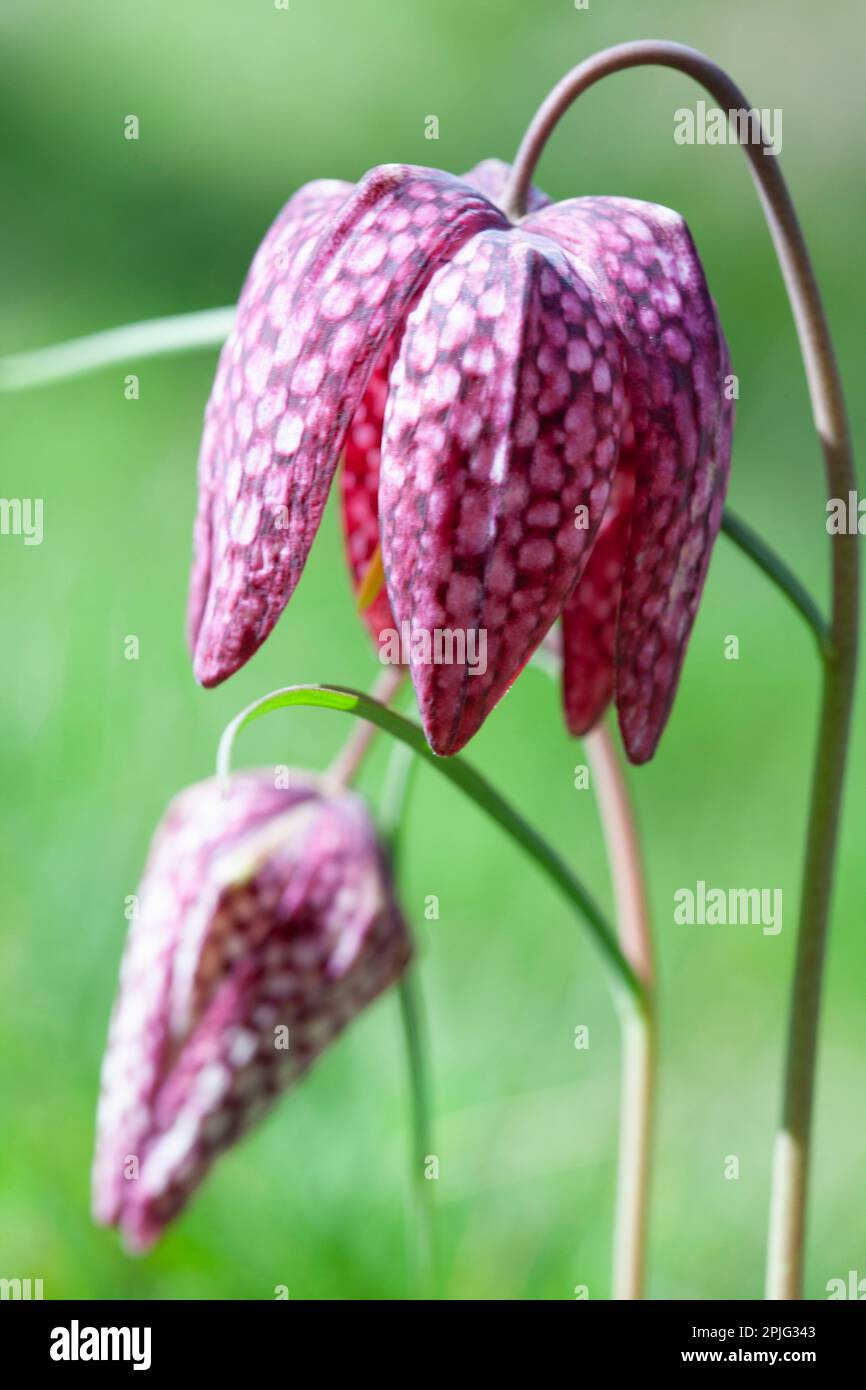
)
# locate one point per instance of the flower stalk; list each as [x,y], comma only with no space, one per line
[420,1190]
[839,658]
[637,1017]
[470,782]
[395,794]
[774,567]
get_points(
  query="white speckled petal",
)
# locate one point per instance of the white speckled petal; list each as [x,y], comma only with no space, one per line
[266,923]
[359,477]
[643,261]
[501,437]
[279,415]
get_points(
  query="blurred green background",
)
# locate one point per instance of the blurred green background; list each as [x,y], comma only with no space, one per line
[238,104]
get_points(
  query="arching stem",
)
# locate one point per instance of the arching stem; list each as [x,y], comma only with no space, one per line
[784,579]
[791,1155]
[462,775]
[638,1017]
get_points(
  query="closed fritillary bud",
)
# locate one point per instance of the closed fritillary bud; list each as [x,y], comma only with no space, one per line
[266,923]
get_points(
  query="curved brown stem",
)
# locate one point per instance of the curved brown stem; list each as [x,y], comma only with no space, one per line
[791,1157]
[638,1017]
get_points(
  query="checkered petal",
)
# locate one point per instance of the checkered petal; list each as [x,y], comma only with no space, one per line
[240,401]
[276,432]
[589,617]
[501,436]
[644,263]
[267,922]
[359,477]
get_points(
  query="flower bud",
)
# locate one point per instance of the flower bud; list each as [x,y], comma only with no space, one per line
[267,921]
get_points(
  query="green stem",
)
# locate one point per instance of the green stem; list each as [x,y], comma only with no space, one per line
[348,762]
[775,568]
[785,1247]
[470,782]
[398,779]
[420,1189]
[395,794]
[153,338]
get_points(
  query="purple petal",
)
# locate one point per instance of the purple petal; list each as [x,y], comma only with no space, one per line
[359,477]
[278,429]
[303,945]
[503,420]
[359,490]
[230,437]
[267,910]
[589,618]
[649,272]
[177,881]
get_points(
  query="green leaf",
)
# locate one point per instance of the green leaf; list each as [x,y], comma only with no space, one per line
[462,775]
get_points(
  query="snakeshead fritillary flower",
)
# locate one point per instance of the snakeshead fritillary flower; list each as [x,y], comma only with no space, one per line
[266,923]
[530,390]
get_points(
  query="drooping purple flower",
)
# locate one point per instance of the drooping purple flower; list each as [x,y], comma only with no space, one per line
[266,922]
[540,405]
